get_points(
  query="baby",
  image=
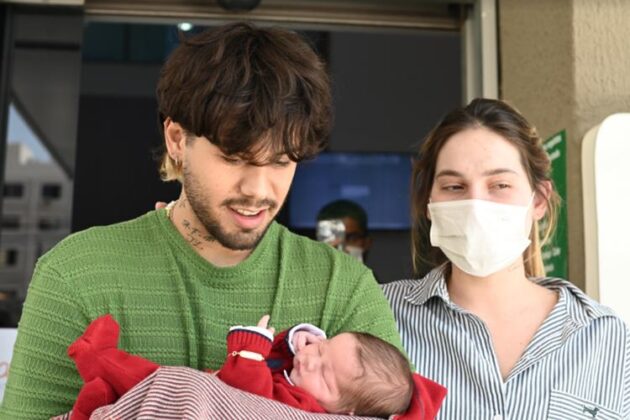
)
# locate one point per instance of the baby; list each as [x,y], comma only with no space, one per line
[351,373]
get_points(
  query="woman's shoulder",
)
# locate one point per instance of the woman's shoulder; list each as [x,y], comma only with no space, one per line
[583,309]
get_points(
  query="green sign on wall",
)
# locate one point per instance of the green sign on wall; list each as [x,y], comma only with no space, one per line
[555,252]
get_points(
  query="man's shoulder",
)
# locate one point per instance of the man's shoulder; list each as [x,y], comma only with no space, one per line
[289,238]
[301,250]
[91,242]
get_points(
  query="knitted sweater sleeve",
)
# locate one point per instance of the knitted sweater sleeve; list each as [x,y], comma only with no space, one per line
[43,380]
[242,369]
[363,309]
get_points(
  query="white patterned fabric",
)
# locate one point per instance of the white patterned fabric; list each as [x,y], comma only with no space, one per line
[185,393]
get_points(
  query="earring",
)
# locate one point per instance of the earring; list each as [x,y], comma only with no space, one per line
[176,161]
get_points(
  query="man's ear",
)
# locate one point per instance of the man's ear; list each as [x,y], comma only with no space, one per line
[175,139]
[541,197]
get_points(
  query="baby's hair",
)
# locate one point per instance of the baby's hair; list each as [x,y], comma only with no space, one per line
[386,385]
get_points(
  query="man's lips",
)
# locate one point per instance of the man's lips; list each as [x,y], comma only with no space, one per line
[248,218]
[247,212]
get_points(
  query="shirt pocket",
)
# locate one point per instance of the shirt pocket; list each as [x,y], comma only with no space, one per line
[563,406]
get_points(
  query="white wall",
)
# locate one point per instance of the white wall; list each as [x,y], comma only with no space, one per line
[605,157]
[7,339]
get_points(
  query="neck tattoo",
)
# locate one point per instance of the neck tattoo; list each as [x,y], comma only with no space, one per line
[193,235]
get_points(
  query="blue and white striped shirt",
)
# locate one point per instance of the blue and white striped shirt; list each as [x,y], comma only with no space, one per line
[577,366]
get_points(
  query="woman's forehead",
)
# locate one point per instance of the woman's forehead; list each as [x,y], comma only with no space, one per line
[478,150]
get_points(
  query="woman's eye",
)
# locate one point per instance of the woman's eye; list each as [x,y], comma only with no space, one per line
[452,187]
[282,163]
[501,186]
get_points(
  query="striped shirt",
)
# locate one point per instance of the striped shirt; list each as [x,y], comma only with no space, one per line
[577,366]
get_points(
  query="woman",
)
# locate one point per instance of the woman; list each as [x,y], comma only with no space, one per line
[506,342]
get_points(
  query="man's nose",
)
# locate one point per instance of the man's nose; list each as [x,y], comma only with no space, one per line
[256,182]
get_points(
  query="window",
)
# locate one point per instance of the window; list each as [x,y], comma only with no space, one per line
[49,224]
[372,180]
[51,191]
[9,258]
[13,190]
[10,221]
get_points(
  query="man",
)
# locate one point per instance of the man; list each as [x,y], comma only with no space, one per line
[357,240]
[239,107]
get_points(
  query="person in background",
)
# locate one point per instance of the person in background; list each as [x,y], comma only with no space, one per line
[485,321]
[355,240]
[239,106]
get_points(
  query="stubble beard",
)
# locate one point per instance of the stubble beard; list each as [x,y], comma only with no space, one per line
[240,240]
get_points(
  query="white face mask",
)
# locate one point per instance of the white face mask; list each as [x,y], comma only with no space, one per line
[355,251]
[478,236]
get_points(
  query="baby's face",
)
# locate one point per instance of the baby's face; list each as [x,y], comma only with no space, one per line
[321,368]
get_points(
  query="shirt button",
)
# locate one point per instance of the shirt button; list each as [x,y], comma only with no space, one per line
[497,417]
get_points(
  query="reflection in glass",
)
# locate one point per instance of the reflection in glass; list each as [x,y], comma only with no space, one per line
[37,200]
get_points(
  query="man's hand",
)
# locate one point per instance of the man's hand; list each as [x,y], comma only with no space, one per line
[263,324]
[160,205]
[302,339]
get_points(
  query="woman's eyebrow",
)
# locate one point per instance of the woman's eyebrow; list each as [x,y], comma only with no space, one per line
[497,171]
[448,172]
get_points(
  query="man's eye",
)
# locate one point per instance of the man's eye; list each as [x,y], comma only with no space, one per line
[231,160]
[452,187]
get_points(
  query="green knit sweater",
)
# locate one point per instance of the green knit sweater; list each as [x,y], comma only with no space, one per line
[174,307]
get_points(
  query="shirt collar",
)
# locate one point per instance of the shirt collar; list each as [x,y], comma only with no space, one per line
[580,308]
[431,285]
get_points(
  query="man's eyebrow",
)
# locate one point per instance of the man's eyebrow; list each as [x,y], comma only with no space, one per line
[497,171]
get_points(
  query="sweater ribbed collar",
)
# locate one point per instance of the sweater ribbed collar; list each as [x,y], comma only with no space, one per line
[182,250]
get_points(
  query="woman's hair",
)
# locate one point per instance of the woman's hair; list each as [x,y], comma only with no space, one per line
[502,119]
[386,385]
[247,90]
